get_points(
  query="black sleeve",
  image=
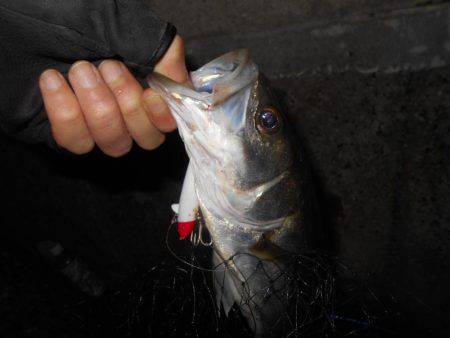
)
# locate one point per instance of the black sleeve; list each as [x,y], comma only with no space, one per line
[40,34]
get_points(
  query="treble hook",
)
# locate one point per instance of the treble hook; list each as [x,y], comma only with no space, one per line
[197,239]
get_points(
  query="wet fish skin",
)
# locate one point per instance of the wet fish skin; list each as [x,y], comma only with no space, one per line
[253,186]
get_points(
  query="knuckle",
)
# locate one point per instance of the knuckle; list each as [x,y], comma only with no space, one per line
[131,109]
[78,147]
[153,142]
[103,108]
[116,154]
[117,90]
[117,151]
[68,116]
[102,115]
[82,147]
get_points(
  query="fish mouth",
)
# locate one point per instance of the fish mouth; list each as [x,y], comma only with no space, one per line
[208,87]
[210,109]
[225,75]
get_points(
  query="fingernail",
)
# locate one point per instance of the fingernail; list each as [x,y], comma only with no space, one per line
[110,70]
[155,104]
[51,80]
[86,74]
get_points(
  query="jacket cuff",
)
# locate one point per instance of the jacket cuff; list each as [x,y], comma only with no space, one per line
[164,43]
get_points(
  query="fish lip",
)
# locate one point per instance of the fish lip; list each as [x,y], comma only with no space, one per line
[220,90]
[177,90]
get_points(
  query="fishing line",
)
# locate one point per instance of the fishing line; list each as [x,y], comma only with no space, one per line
[311,293]
[173,253]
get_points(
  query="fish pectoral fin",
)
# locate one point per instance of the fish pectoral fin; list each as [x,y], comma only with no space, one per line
[265,249]
[226,291]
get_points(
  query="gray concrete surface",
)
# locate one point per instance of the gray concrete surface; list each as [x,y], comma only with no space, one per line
[293,38]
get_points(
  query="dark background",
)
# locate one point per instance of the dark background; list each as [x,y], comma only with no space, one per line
[366,86]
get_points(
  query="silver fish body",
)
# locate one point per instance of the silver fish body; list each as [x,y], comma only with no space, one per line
[252,184]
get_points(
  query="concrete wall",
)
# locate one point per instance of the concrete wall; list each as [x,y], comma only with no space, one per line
[293,38]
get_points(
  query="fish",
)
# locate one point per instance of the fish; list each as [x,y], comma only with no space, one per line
[249,180]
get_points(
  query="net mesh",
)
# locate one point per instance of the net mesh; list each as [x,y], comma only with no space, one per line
[175,297]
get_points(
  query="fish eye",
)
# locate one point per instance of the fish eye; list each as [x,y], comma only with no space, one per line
[268,121]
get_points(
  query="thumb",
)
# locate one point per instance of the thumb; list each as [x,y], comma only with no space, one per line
[173,64]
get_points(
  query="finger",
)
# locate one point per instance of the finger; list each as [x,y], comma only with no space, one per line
[100,109]
[128,93]
[158,111]
[173,63]
[64,113]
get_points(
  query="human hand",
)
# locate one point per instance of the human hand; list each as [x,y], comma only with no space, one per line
[108,107]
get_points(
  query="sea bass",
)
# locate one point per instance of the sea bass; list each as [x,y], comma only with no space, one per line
[249,180]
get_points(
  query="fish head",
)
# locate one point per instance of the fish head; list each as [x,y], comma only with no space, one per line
[237,139]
